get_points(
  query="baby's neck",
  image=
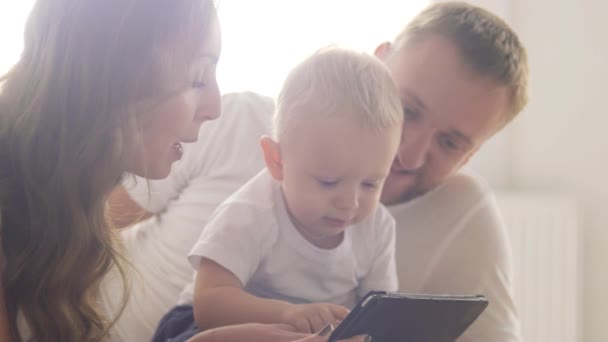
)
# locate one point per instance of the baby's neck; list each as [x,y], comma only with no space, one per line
[323,242]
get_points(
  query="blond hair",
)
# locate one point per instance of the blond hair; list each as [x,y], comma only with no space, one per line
[336,81]
[70,109]
[487,44]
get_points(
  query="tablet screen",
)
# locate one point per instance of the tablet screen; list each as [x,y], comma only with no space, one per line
[406,317]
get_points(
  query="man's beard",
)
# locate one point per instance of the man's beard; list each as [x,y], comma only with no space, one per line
[413,192]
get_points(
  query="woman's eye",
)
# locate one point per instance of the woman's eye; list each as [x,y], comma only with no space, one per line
[199,80]
[198,84]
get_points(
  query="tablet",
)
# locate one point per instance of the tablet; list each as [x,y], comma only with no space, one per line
[404,317]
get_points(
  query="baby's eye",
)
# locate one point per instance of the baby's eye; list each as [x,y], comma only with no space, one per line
[370,185]
[327,183]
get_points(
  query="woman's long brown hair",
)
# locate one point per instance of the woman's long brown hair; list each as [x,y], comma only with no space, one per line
[69,116]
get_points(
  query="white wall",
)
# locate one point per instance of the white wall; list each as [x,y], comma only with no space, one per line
[559,144]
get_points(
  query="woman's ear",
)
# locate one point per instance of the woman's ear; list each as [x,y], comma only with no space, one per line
[272,157]
[383,50]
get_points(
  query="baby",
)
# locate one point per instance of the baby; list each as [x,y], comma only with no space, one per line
[302,241]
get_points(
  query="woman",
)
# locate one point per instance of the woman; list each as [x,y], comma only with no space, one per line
[102,88]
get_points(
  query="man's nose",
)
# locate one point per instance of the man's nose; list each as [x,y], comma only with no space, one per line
[414,148]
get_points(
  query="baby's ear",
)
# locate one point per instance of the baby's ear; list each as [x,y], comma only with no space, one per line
[272,157]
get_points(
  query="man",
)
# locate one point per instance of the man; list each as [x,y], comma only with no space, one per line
[462,75]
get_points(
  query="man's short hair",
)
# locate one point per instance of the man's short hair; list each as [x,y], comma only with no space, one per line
[488,45]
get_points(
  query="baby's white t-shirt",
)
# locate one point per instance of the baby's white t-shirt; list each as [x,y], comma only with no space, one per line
[252,236]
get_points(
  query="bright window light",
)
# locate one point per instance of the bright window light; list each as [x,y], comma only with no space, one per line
[262,40]
[12,22]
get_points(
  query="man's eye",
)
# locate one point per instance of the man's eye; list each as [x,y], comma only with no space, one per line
[448,143]
[410,113]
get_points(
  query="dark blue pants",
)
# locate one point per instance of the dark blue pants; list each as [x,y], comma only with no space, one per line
[177,325]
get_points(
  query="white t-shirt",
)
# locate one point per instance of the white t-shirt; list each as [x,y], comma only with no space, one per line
[252,236]
[452,240]
[226,155]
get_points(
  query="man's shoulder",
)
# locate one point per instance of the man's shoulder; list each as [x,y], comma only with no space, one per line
[458,225]
[460,211]
[463,209]
[465,185]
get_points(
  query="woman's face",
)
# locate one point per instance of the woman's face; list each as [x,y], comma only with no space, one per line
[178,119]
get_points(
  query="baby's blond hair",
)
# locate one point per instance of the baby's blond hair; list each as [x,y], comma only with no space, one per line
[336,81]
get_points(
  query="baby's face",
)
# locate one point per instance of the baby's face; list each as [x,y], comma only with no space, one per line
[333,173]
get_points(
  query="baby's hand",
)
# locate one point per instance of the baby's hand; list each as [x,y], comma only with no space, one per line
[310,318]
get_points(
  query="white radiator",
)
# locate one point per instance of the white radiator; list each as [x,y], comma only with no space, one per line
[546,237]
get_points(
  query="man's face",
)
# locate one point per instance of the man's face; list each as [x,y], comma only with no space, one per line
[449,113]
